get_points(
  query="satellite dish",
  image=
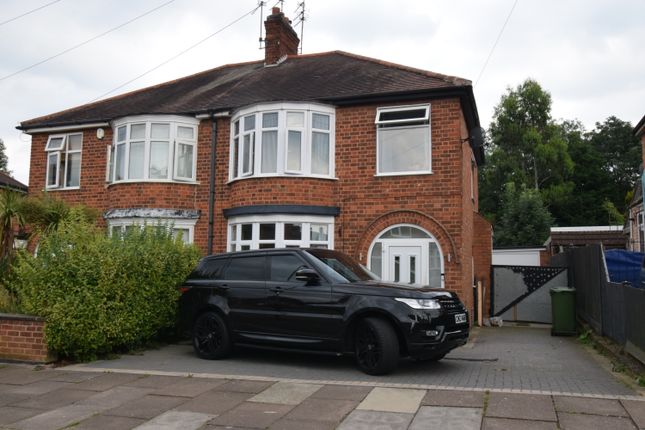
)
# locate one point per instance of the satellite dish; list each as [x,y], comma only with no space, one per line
[477,137]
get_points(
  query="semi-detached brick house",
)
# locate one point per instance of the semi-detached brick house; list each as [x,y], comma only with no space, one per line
[323,150]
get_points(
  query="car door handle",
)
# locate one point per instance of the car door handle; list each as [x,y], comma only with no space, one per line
[223,286]
[276,290]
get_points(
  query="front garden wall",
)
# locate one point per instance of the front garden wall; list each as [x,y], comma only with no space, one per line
[22,339]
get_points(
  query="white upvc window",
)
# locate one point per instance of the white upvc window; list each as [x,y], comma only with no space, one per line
[184,228]
[280,231]
[153,148]
[403,140]
[282,139]
[64,161]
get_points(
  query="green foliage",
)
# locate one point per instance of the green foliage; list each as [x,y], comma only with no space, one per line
[524,220]
[98,293]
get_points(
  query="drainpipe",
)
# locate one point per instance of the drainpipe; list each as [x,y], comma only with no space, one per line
[213,174]
[211,185]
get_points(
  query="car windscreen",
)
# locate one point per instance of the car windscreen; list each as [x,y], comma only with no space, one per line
[340,267]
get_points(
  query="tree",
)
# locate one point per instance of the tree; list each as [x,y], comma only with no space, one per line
[621,154]
[524,219]
[4,160]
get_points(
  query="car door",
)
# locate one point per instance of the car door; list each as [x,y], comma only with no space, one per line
[245,285]
[306,312]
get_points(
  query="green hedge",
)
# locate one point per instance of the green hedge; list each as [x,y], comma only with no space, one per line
[102,294]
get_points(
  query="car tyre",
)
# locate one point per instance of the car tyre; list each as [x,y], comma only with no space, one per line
[211,338]
[376,346]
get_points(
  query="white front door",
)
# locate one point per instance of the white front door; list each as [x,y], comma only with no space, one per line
[406,261]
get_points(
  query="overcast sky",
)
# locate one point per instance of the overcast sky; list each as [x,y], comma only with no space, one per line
[587,54]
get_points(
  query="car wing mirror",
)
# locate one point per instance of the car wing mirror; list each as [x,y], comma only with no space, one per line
[307,275]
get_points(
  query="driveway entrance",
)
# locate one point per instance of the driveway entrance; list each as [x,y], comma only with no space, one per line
[508,358]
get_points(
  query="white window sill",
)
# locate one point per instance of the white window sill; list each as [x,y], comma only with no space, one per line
[61,189]
[151,181]
[422,172]
[292,176]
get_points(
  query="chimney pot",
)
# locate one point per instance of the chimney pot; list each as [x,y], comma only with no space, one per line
[275,11]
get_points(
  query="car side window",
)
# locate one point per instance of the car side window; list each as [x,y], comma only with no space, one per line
[283,268]
[209,268]
[246,269]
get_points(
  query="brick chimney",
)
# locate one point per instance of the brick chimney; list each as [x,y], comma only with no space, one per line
[281,39]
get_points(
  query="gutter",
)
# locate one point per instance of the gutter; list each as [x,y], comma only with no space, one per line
[211,181]
[63,127]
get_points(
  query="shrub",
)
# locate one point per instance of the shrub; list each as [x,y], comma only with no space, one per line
[101,294]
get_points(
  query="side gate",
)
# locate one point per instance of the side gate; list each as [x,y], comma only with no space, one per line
[521,293]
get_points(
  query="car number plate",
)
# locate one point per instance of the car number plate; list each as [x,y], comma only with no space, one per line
[460,318]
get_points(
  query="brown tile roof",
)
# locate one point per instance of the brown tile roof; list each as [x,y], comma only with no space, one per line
[333,77]
[7,181]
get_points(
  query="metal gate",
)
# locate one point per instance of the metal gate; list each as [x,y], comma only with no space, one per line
[521,293]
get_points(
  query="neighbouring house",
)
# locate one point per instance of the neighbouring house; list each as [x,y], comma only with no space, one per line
[634,225]
[563,238]
[9,183]
[331,150]
[520,256]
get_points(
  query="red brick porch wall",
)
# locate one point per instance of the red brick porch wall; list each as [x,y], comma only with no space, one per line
[22,338]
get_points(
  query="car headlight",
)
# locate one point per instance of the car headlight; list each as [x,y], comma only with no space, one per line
[420,303]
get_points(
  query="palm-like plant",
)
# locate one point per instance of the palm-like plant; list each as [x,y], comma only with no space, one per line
[11,218]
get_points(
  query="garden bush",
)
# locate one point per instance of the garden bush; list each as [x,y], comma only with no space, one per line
[102,294]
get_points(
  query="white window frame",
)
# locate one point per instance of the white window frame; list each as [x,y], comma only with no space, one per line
[62,153]
[177,224]
[306,221]
[308,109]
[403,124]
[173,121]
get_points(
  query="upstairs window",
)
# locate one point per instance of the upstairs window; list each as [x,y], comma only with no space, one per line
[282,139]
[153,149]
[403,140]
[64,161]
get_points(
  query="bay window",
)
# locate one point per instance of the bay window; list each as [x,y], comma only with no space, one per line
[153,148]
[280,231]
[403,140]
[63,161]
[288,139]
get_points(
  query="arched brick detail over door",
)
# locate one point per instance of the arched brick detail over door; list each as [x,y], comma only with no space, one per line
[421,219]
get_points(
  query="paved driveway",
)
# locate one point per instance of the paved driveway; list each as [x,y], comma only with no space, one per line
[521,359]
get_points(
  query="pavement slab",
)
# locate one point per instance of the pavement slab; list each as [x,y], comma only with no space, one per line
[104,422]
[521,406]
[287,424]
[71,376]
[375,420]
[342,392]
[176,420]
[214,402]
[469,399]
[189,387]
[581,405]
[8,397]
[393,400]
[146,407]
[114,397]
[586,422]
[252,415]
[510,424]
[106,381]
[286,393]
[57,418]
[22,375]
[447,418]
[55,399]
[153,381]
[636,410]
[245,386]
[39,387]
[322,410]
[11,414]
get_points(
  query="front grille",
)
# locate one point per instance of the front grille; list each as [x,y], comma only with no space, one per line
[451,305]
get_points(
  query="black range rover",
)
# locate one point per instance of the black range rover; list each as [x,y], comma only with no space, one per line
[316,299]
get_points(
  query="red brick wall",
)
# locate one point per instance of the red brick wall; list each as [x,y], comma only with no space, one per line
[439,202]
[483,256]
[22,339]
